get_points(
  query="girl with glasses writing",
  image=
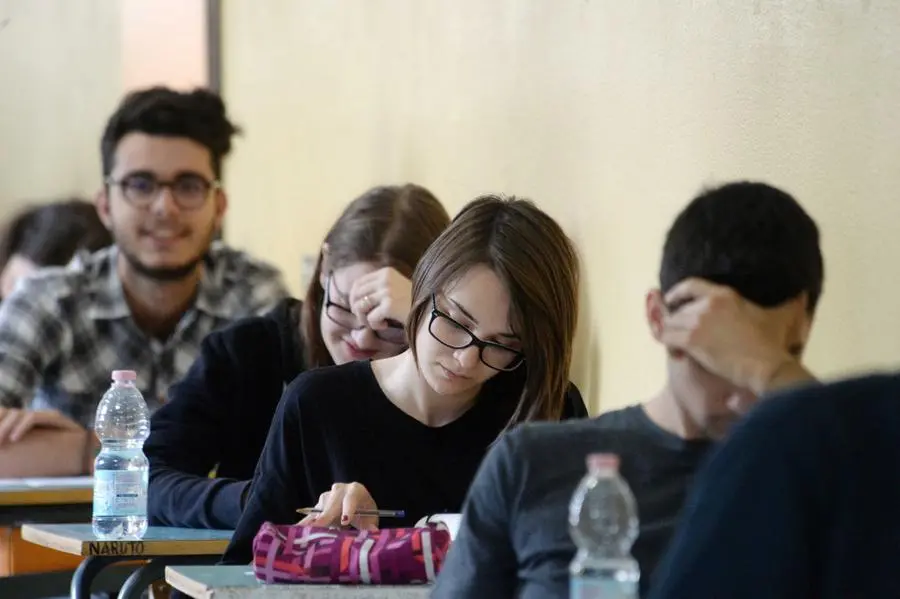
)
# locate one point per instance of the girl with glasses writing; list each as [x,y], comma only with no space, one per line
[491,328]
[219,414]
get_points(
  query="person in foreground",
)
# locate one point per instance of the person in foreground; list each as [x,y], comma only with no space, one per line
[801,502]
[491,327]
[219,415]
[146,302]
[740,278]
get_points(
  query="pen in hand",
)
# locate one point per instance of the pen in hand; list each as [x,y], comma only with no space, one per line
[306,511]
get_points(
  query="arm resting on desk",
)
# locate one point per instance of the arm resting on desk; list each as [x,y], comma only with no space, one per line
[188,435]
[45,452]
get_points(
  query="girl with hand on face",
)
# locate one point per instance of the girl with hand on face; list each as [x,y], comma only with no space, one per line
[493,318]
[218,416]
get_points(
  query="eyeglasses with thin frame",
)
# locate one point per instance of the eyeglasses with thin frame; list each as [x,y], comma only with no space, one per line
[190,191]
[342,316]
[455,335]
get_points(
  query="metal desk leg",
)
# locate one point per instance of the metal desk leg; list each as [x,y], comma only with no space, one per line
[155,570]
[87,571]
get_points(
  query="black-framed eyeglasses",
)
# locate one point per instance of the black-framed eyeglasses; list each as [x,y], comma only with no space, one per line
[454,335]
[189,191]
[344,317]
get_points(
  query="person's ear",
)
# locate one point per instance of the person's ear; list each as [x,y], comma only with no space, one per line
[801,321]
[221,205]
[655,311]
[101,203]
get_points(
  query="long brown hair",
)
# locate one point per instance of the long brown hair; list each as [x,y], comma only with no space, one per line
[387,225]
[539,265]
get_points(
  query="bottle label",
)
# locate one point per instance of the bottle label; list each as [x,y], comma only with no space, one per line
[119,493]
[593,588]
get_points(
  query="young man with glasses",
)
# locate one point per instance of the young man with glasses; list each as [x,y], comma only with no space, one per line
[740,279]
[146,302]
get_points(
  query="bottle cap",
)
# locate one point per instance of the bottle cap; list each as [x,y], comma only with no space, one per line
[122,376]
[602,461]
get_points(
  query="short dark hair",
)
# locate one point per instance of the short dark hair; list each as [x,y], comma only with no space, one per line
[51,234]
[750,236]
[198,115]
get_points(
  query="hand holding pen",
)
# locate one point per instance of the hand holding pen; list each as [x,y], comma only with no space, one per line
[307,511]
[346,504]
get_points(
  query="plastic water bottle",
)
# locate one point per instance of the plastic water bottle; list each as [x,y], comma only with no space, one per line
[121,468]
[603,523]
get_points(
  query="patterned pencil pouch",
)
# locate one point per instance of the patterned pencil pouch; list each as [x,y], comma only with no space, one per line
[317,555]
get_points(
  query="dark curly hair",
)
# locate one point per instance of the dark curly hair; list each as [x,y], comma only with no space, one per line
[198,115]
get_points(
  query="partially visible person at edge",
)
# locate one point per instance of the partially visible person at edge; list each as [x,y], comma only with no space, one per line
[739,283]
[50,234]
[146,302]
[494,311]
[800,502]
[355,308]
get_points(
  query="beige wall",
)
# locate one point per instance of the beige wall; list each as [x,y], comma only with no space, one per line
[64,65]
[59,78]
[610,114]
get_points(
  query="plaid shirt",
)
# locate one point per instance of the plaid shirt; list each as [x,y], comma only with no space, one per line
[64,330]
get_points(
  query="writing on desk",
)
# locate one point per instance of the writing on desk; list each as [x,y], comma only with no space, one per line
[116,548]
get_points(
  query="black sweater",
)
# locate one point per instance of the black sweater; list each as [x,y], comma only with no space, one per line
[800,502]
[218,416]
[335,424]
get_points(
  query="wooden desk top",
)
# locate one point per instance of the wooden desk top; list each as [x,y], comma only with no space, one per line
[78,539]
[238,582]
[46,491]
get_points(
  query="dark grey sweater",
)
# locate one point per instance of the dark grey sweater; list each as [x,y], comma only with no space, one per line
[514,540]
